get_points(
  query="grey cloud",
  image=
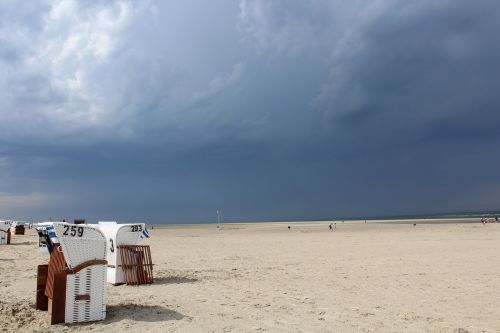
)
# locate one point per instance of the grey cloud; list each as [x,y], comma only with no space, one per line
[285,27]
[95,68]
[218,84]
[415,66]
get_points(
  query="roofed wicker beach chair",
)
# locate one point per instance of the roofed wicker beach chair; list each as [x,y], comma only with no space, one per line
[4,232]
[19,227]
[72,287]
[127,262]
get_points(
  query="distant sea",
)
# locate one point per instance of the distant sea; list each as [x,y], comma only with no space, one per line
[464,217]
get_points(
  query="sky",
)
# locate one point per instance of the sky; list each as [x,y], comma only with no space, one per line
[166,111]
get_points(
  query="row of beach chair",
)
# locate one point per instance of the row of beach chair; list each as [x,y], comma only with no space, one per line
[7,228]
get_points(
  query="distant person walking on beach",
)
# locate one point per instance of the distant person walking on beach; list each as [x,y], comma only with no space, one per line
[288,227]
[330,226]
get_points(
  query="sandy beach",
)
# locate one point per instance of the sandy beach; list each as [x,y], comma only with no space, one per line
[373,277]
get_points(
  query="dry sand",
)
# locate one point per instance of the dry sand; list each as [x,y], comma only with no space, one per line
[262,277]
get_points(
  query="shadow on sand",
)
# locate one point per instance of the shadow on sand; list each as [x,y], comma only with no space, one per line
[23,243]
[174,280]
[137,312]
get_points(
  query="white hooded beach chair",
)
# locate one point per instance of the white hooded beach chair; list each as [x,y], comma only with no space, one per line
[4,232]
[128,262]
[72,287]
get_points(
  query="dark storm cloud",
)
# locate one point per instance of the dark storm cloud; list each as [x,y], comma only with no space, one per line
[267,110]
[417,66]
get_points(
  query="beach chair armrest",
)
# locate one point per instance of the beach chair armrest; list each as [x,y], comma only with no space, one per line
[86,264]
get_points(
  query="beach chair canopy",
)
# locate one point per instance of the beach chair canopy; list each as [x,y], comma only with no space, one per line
[79,243]
[121,234]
